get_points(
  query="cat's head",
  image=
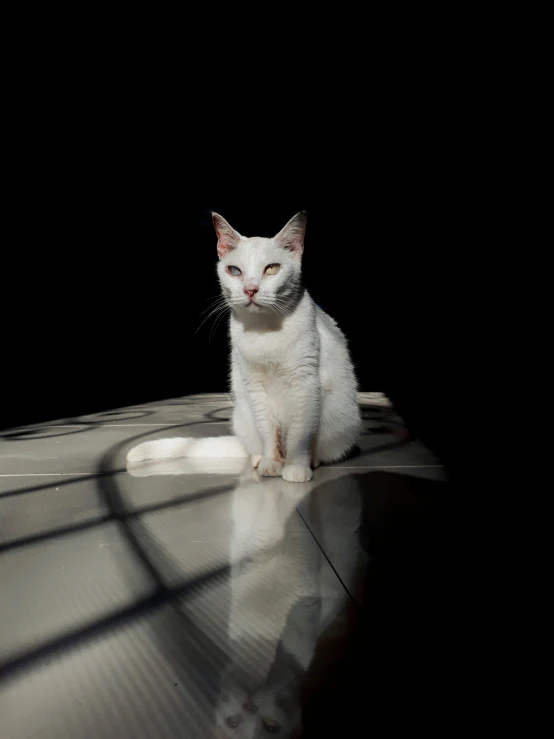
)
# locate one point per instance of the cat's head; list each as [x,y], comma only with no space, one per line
[259,274]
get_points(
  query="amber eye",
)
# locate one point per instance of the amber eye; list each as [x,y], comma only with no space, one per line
[272,269]
[232,270]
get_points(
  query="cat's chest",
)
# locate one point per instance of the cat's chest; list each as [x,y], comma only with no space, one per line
[263,349]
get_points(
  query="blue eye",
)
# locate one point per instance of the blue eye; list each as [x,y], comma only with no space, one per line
[235,271]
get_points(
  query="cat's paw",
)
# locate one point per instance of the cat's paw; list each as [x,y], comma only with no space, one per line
[256,459]
[297,473]
[270,467]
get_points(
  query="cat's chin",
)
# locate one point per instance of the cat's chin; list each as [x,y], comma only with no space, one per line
[254,307]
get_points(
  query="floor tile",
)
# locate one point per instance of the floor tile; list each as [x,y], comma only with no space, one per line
[168,600]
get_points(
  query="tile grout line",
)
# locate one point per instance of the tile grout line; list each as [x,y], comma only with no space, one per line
[327,558]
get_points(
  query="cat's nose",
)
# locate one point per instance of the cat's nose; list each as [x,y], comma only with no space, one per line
[251,292]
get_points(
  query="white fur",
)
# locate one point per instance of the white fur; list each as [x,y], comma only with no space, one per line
[291,373]
[215,446]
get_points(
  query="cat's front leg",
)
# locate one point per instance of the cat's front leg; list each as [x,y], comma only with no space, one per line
[271,462]
[303,413]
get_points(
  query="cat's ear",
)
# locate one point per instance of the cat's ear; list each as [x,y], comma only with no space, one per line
[227,237]
[291,237]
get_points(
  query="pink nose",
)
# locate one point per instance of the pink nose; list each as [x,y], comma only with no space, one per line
[251,293]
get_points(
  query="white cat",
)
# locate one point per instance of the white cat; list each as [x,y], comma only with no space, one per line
[292,378]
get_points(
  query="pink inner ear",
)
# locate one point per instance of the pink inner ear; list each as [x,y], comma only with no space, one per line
[293,243]
[291,237]
[227,237]
[223,246]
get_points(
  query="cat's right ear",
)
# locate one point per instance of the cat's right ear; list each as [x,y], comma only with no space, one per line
[227,237]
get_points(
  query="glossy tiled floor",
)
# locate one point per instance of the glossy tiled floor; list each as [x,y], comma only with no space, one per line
[180,600]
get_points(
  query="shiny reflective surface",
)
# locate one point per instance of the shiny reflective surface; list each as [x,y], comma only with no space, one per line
[180,600]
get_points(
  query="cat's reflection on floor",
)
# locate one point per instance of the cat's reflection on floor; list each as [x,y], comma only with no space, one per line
[275,603]
[275,609]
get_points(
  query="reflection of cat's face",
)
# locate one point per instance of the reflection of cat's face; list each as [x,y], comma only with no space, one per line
[243,716]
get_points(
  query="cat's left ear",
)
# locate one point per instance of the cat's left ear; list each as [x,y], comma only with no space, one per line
[227,237]
[291,237]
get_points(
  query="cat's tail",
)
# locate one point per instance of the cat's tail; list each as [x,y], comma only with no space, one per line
[215,446]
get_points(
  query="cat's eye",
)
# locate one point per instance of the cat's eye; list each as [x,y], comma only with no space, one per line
[233,722]
[232,270]
[272,269]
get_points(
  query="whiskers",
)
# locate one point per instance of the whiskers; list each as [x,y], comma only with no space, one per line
[280,306]
[219,308]
[222,306]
